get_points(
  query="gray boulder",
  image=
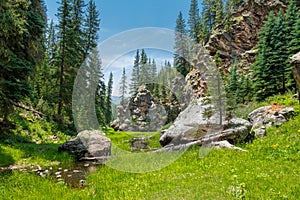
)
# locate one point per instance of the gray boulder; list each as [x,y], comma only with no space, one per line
[268,116]
[194,123]
[88,145]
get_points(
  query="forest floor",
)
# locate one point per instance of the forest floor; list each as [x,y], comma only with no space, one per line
[268,170]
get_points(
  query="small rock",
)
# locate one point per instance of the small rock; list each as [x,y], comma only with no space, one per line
[57,173]
[14,168]
[260,132]
[295,97]
[58,176]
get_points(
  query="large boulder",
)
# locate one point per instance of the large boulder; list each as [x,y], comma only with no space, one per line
[268,116]
[295,61]
[88,145]
[193,123]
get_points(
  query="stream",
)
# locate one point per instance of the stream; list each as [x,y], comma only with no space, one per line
[71,174]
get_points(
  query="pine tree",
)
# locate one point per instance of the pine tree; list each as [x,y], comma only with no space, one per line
[91,27]
[144,69]
[181,47]
[123,86]
[134,82]
[50,41]
[244,92]
[89,94]
[64,54]
[270,68]
[208,17]
[77,17]
[22,29]
[218,9]
[101,106]
[96,80]
[290,21]
[213,14]
[289,39]
[194,21]
[108,116]
[280,56]
[153,72]
[39,77]
[293,19]
[70,53]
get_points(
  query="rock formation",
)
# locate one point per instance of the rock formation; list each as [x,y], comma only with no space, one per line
[192,127]
[196,123]
[236,39]
[268,116]
[196,84]
[295,61]
[90,145]
[141,113]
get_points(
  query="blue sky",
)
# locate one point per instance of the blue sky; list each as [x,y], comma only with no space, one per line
[121,15]
[118,16]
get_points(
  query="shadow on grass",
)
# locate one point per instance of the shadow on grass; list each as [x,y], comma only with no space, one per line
[14,149]
[5,158]
[43,153]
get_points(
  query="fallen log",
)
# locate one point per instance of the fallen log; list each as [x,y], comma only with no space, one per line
[207,140]
[29,109]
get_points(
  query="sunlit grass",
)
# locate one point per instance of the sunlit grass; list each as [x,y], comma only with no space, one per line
[269,170]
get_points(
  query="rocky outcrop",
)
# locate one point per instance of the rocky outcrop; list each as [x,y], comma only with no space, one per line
[141,113]
[192,128]
[196,84]
[235,38]
[268,116]
[196,123]
[295,61]
[88,145]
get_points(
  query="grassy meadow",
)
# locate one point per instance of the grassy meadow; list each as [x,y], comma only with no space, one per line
[269,170]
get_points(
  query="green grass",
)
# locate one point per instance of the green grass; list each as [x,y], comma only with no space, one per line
[122,139]
[269,170]
[32,142]
[27,154]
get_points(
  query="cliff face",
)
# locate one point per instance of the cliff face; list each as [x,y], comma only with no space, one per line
[235,39]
